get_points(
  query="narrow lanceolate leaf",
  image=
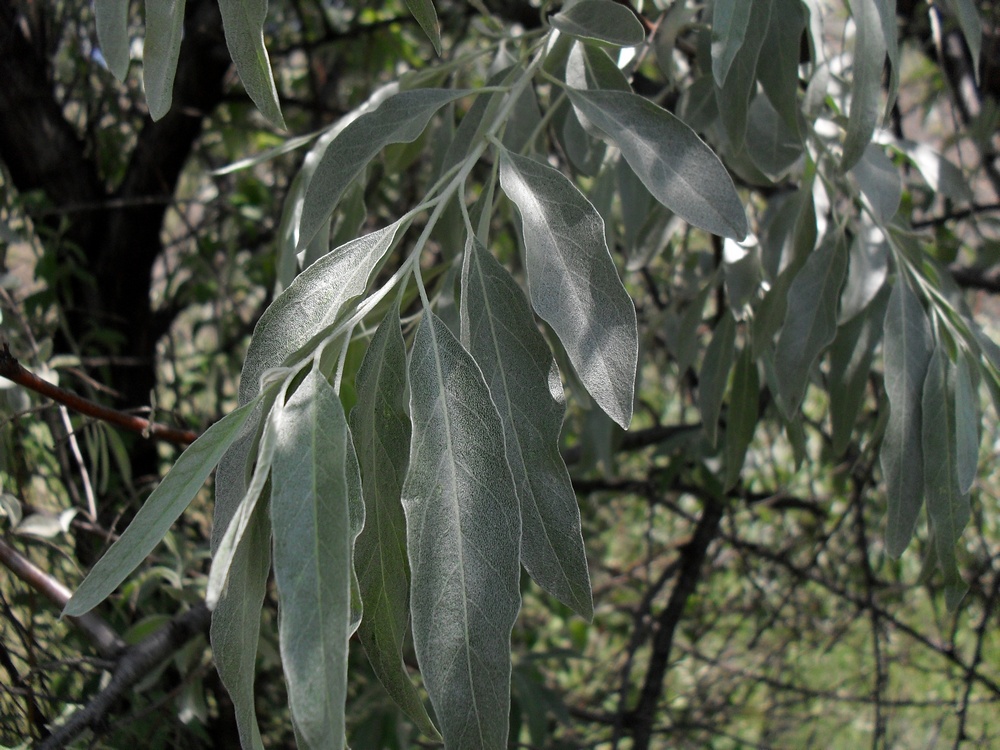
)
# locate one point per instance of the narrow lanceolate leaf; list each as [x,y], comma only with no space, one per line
[112,34]
[235,630]
[734,95]
[907,350]
[243,22]
[729,27]
[879,181]
[741,420]
[160,510]
[866,83]
[381,430]
[399,119]
[715,374]
[463,530]
[947,507]
[600,21]
[311,304]
[424,13]
[573,281]
[673,163]
[313,553]
[810,320]
[164,29]
[499,331]
[778,68]
[972,29]
[967,420]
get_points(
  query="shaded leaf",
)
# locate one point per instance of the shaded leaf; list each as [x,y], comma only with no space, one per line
[906,352]
[972,29]
[810,320]
[500,332]
[600,21]
[778,69]
[947,507]
[673,163]
[425,14]
[399,119]
[879,181]
[734,95]
[967,420]
[112,34]
[573,282]
[714,374]
[157,514]
[463,531]
[313,554]
[866,83]
[771,144]
[243,23]
[164,29]
[381,430]
[741,418]
[729,26]
[866,272]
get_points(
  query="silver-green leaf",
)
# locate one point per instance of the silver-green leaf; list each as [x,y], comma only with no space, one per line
[714,374]
[313,557]
[906,352]
[600,21]
[463,529]
[243,23]
[381,430]
[499,331]
[673,163]
[160,510]
[573,281]
[112,34]
[729,26]
[866,85]
[425,14]
[164,29]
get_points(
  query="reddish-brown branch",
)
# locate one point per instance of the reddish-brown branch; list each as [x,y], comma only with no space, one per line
[11,369]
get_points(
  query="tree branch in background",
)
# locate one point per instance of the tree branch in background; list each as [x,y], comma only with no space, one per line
[11,369]
[136,663]
[97,630]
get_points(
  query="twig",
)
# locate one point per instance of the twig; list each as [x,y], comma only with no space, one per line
[101,634]
[11,369]
[135,664]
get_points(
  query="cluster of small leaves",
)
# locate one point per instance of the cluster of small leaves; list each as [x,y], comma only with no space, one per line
[411,513]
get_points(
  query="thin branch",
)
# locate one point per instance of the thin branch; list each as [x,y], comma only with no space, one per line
[135,664]
[11,369]
[102,635]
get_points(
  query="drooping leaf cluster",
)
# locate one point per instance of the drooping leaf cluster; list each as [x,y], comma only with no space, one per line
[405,505]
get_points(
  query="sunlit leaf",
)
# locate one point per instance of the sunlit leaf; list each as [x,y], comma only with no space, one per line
[947,507]
[810,320]
[866,271]
[600,21]
[500,333]
[313,555]
[463,530]
[243,22]
[112,34]
[399,119]
[573,282]
[164,29]
[673,163]
[157,514]
[866,82]
[906,351]
[381,430]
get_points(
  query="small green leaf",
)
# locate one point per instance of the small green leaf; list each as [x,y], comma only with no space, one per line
[715,374]
[160,510]
[730,19]
[906,351]
[425,14]
[243,23]
[810,320]
[600,21]
[164,29]
[947,508]
[573,282]
[381,431]
[399,119]
[500,332]
[673,163]
[463,533]
[741,419]
[112,34]
[866,85]
[313,557]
